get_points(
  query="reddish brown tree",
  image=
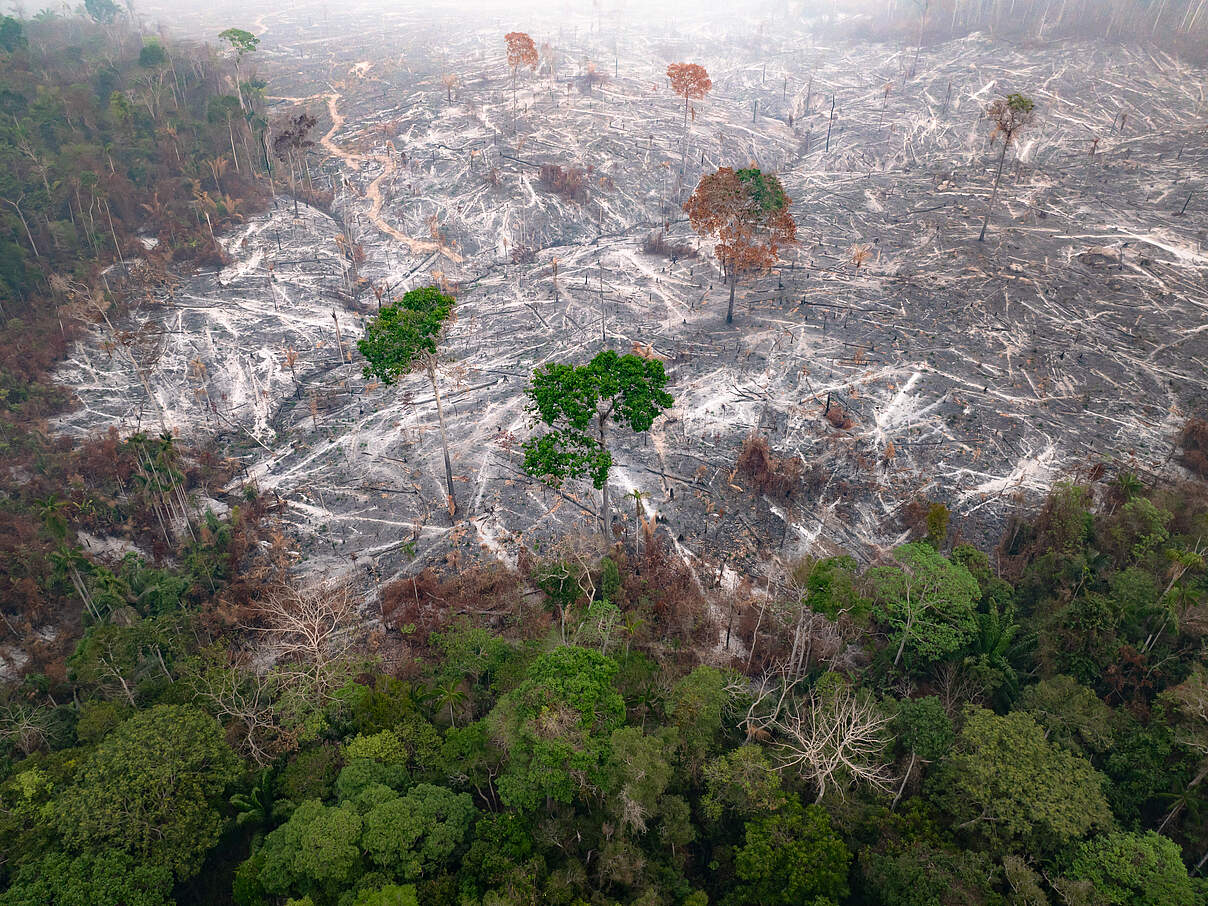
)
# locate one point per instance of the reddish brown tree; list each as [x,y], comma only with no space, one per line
[748,214]
[690,81]
[521,52]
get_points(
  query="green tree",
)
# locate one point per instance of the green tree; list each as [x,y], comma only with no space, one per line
[415,835]
[102,11]
[12,34]
[401,338]
[1135,870]
[316,850]
[152,788]
[105,877]
[927,602]
[241,43]
[556,726]
[743,782]
[1005,783]
[568,398]
[694,707]
[922,728]
[789,858]
[390,895]
[1071,714]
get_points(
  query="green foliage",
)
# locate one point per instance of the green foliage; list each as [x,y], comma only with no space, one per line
[404,334]
[921,873]
[1135,870]
[390,895]
[926,602]
[922,727]
[1071,714]
[556,725]
[790,857]
[384,747]
[104,877]
[12,34]
[744,783]
[314,852]
[694,707]
[764,189]
[241,42]
[102,11]
[937,524]
[150,788]
[568,398]
[412,835]
[1004,783]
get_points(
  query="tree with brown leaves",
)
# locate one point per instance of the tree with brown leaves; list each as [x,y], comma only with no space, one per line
[521,52]
[690,81]
[748,214]
[1009,115]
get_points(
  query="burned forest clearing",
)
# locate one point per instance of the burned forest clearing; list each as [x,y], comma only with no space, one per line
[887,359]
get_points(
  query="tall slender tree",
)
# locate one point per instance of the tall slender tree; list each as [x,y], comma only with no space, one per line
[1009,115]
[402,338]
[521,52]
[691,82]
[241,42]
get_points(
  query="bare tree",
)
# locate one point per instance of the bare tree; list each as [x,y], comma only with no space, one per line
[309,630]
[833,736]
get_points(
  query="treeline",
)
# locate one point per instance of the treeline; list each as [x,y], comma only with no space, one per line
[940,727]
[115,148]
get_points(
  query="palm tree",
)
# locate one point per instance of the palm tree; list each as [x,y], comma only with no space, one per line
[450,694]
[256,809]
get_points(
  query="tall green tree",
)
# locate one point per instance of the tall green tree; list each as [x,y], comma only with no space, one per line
[568,398]
[1135,870]
[401,338]
[241,43]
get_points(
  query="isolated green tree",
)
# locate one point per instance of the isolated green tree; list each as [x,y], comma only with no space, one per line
[401,338]
[1009,115]
[568,398]
[241,43]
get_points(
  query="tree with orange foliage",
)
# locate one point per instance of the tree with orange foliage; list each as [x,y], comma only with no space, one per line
[690,81]
[521,52]
[748,213]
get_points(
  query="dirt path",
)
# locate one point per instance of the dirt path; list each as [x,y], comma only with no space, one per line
[374,192]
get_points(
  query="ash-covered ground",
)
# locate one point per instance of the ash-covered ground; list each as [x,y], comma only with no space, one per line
[974,373]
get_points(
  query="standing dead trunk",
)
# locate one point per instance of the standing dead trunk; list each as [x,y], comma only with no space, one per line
[444,440]
[994,194]
[733,282]
[605,514]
